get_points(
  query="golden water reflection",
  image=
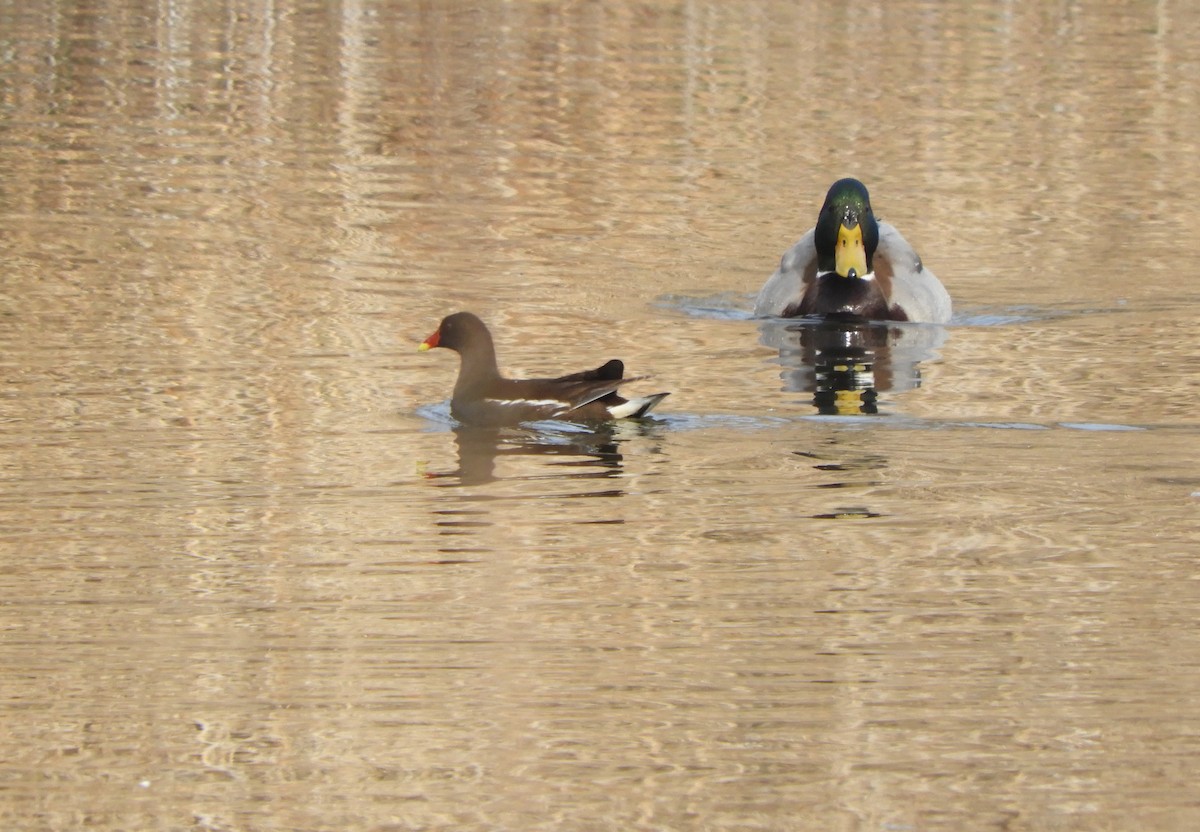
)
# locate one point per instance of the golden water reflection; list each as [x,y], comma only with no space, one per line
[243,586]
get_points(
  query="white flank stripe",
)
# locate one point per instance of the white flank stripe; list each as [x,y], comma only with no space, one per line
[561,405]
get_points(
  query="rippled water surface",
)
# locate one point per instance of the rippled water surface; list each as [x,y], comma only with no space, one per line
[253,576]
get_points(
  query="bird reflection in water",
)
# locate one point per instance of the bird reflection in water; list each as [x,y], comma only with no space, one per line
[586,452]
[846,362]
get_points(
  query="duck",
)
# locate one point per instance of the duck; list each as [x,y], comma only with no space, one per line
[852,265]
[484,397]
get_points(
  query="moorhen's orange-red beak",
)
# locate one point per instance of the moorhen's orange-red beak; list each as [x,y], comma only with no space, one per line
[430,342]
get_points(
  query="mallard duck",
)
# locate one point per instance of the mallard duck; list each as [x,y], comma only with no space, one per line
[851,264]
[482,396]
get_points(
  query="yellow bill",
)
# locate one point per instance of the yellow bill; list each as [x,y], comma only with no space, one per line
[851,257]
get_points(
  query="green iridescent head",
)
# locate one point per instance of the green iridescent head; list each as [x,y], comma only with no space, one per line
[846,233]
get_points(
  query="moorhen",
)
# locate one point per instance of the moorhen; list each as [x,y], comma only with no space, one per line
[482,396]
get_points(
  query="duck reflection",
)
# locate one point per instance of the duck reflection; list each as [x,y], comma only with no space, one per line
[585,452]
[846,362]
